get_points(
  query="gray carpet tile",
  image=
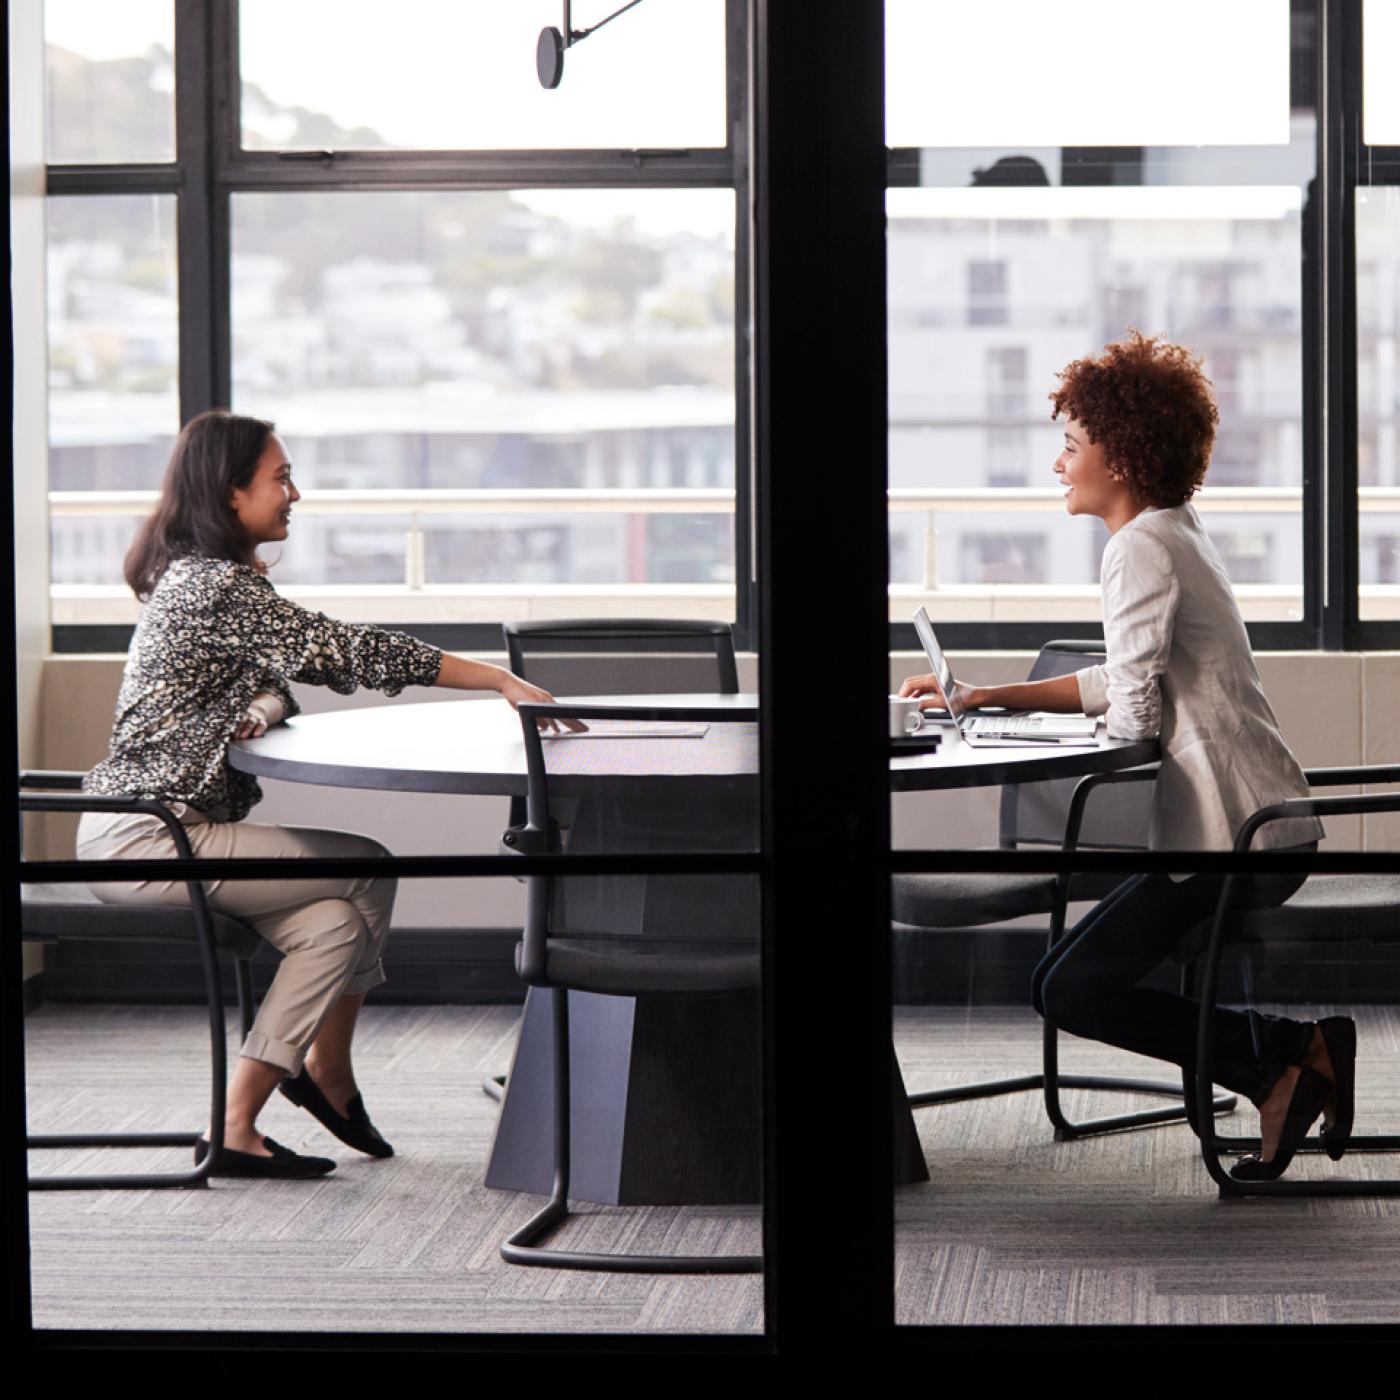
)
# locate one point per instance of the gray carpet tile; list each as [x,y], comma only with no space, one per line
[1124,1228]
[1012,1228]
[406,1244]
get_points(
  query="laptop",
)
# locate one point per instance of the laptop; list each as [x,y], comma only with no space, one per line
[998,729]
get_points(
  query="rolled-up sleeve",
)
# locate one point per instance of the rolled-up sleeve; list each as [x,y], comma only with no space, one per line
[296,644]
[1140,597]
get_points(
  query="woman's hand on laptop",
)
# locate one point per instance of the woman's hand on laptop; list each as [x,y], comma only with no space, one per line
[928,685]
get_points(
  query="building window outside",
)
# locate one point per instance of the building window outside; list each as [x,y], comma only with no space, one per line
[986,293]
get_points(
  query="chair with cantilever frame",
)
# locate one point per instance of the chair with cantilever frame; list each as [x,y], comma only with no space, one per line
[1327,909]
[1047,814]
[694,940]
[51,913]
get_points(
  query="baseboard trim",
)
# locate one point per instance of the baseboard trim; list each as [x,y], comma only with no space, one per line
[466,967]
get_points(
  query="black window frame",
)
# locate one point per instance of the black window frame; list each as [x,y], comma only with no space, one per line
[211,164]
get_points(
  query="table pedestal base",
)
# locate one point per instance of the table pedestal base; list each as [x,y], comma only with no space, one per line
[665,1108]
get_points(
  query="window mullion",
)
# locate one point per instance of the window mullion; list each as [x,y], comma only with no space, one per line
[199,314]
[1340,114]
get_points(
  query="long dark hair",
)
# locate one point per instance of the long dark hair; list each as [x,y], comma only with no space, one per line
[214,453]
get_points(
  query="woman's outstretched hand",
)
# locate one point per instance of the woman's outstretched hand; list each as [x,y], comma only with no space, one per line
[518,692]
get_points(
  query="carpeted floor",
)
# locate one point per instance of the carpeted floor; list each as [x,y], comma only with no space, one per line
[1127,1227]
[1013,1227]
[407,1244]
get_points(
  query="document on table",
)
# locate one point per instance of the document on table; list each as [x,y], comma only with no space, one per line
[633,729]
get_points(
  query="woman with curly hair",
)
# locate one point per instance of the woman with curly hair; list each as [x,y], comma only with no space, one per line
[213,659]
[1140,423]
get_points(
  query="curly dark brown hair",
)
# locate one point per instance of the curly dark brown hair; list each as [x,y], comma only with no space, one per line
[1149,406]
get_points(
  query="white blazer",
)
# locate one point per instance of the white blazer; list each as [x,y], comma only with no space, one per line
[1179,667]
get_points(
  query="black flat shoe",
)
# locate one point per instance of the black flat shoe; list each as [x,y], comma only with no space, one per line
[1339,1035]
[284,1163]
[354,1130]
[1310,1096]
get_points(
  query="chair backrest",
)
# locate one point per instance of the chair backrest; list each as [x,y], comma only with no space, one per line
[624,656]
[1034,813]
[641,795]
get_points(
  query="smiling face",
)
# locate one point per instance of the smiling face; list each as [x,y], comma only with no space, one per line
[1090,485]
[264,506]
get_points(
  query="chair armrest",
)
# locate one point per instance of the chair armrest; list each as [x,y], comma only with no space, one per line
[51,780]
[1353,777]
[100,802]
[1085,788]
[1352,806]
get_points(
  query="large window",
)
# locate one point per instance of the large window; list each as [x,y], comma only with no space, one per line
[495,324]
[499,325]
[1038,210]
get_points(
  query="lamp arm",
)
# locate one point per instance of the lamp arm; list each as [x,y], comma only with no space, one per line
[574,35]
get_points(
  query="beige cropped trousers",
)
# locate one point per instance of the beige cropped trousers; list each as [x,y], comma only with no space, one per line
[331,933]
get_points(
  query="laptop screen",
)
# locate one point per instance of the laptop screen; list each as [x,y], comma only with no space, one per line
[939,666]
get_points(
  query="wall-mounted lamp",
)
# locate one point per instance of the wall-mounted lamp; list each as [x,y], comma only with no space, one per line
[549,50]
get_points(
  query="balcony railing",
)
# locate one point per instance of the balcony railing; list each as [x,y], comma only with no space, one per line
[416,600]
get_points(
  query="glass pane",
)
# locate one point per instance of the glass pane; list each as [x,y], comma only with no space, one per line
[1380,48]
[992,292]
[1086,73]
[113,368]
[111,80]
[1378,395]
[565,358]
[462,76]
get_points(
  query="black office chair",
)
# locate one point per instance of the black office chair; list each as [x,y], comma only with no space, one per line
[51,913]
[615,656]
[656,936]
[1046,814]
[1327,910]
[624,656]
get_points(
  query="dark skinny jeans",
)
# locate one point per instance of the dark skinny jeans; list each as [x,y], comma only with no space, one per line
[1087,983]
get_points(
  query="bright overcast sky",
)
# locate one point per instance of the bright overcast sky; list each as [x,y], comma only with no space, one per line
[460,73]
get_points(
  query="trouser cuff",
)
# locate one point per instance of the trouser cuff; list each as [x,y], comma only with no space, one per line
[287,1058]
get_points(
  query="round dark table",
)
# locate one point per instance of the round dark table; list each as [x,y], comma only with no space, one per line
[638,1076]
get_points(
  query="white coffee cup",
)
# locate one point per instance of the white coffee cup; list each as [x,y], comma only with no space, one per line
[905,717]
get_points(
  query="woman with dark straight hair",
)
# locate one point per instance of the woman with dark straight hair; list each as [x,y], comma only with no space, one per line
[213,659]
[1140,424]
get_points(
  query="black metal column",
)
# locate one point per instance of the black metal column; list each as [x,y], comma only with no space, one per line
[819,166]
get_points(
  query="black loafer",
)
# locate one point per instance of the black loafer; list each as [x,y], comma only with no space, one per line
[354,1131]
[284,1163]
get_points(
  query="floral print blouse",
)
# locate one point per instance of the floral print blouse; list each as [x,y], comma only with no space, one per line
[212,634]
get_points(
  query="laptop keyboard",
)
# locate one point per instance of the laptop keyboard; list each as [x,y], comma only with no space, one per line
[994,725]
[1011,724]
